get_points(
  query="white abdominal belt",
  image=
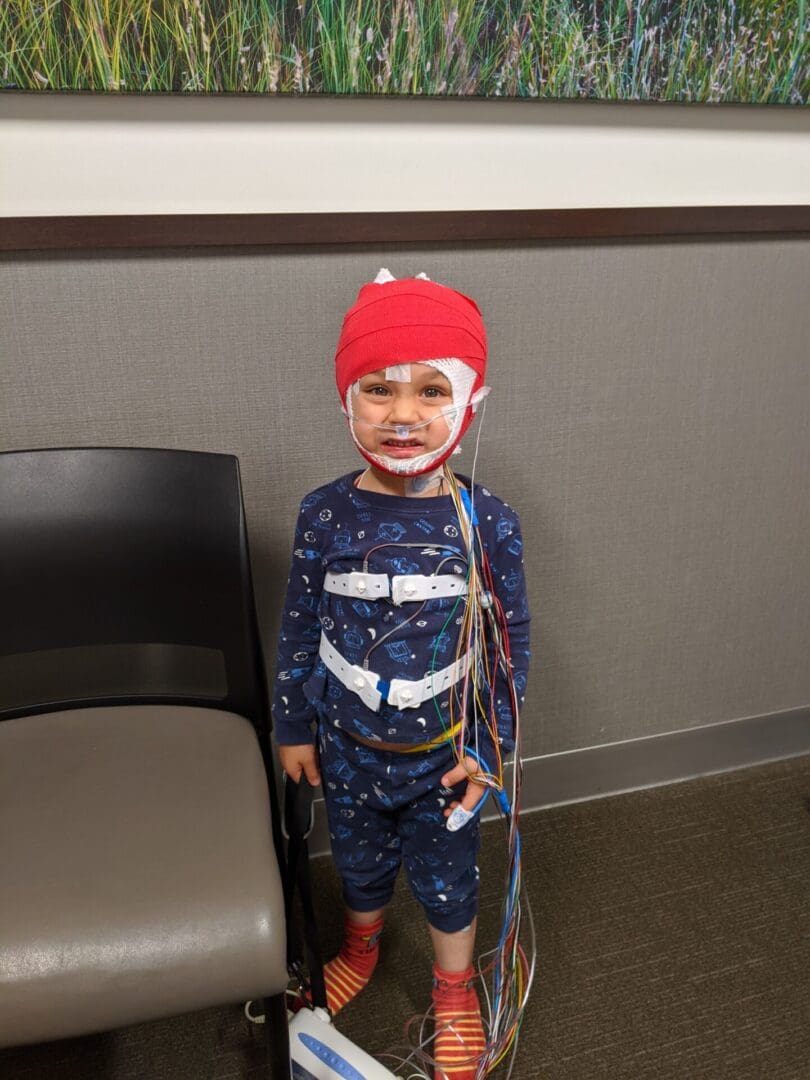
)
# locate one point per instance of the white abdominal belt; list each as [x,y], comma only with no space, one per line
[401,693]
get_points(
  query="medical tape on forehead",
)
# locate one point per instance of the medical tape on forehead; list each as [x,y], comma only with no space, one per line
[398,373]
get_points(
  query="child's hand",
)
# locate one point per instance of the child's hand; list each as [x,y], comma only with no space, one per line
[474,791]
[300,759]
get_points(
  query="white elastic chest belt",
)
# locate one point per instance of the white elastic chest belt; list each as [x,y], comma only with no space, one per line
[401,693]
[401,588]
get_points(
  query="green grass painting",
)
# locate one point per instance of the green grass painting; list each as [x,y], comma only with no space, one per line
[753,51]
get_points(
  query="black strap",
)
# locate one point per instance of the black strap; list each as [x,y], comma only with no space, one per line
[297,826]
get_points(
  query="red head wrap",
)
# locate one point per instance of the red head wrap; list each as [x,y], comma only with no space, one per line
[405,321]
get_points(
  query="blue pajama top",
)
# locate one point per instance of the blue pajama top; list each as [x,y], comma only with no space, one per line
[338,528]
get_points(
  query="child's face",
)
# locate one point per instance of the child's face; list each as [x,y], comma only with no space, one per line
[392,403]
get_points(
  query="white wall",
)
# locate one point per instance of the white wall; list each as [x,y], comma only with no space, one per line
[77,154]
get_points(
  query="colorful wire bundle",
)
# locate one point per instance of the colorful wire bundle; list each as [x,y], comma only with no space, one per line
[484,631]
[507,971]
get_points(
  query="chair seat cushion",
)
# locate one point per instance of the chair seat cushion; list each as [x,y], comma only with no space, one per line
[139,877]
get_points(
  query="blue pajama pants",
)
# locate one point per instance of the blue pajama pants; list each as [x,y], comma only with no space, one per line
[386,808]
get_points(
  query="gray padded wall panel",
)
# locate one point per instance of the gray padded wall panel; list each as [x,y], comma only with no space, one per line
[649,421]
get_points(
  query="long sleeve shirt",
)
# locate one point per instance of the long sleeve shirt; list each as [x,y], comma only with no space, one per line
[342,529]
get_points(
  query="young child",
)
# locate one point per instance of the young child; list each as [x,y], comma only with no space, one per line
[368,657]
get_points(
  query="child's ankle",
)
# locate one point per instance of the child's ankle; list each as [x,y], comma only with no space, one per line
[460,1042]
[453,981]
[351,969]
[362,937]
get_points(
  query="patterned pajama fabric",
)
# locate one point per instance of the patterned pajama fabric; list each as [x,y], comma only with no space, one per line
[386,808]
[341,529]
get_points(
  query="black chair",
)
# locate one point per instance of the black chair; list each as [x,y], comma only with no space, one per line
[139,843]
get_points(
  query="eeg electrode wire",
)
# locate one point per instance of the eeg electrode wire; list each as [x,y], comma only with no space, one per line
[484,635]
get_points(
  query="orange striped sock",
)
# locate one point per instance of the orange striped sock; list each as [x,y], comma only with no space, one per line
[351,969]
[460,1041]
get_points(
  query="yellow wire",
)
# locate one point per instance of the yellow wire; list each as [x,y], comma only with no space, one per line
[514,1029]
[470,631]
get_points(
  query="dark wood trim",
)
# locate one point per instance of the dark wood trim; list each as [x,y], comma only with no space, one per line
[414,227]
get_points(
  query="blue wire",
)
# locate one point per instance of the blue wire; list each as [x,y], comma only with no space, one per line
[503,801]
[468,506]
[501,796]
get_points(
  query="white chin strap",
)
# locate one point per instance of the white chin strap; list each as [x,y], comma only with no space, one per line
[461,378]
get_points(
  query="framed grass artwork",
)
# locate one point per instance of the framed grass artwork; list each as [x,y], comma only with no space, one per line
[742,51]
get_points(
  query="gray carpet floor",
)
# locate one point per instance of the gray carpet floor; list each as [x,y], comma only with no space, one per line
[673,932]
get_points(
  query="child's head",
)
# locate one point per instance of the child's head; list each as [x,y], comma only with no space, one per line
[410,366]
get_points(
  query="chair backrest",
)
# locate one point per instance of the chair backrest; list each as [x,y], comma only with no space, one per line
[125,579]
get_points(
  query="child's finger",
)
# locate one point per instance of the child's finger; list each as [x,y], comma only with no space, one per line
[311,772]
[462,771]
[309,762]
[455,776]
[473,795]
